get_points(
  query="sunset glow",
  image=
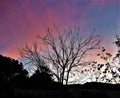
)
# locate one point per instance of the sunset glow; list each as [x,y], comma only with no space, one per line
[22,20]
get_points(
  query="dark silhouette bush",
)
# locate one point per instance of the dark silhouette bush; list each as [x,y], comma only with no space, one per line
[20,80]
[9,67]
[10,70]
[41,79]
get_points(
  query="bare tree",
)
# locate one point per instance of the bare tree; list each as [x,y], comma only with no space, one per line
[66,51]
[31,54]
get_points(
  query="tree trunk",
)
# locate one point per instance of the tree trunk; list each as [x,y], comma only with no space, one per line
[63,75]
[67,77]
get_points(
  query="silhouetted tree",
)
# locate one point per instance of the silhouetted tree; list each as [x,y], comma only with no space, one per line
[62,52]
[67,50]
[10,69]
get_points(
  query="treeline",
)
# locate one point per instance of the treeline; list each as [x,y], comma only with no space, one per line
[13,75]
[15,81]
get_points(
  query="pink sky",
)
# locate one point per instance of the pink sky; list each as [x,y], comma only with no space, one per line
[22,20]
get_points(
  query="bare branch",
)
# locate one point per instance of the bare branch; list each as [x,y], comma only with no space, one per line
[66,50]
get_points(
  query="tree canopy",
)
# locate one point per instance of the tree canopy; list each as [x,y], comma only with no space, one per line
[9,67]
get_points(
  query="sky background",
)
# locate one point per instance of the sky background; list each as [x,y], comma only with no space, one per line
[22,20]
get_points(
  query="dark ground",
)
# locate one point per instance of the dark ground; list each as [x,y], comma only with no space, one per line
[89,90]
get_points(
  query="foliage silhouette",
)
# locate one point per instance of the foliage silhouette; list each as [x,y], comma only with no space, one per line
[109,72]
[13,75]
[41,79]
[20,80]
[9,68]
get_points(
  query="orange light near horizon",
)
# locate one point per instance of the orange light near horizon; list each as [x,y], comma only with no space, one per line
[12,54]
